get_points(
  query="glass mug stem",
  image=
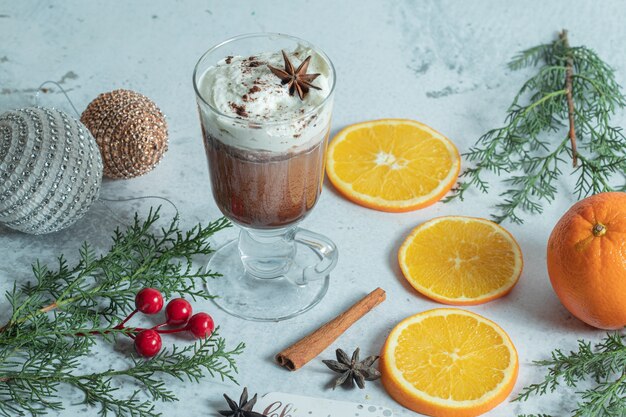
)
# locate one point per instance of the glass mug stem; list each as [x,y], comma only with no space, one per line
[271,254]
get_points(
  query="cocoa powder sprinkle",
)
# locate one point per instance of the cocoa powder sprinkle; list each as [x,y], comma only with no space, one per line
[240,109]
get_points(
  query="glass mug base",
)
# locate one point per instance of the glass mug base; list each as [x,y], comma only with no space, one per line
[250,297]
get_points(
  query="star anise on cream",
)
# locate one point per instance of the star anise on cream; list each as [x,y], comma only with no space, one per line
[297,79]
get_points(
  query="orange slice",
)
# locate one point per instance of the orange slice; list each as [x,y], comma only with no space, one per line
[448,362]
[461,260]
[392,164]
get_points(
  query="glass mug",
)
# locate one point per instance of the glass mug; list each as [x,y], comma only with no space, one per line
[276,269]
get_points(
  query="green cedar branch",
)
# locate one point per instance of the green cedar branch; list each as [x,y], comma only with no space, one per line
[57,320]
[571,98]
[601,369]
[35,384]
[137,259]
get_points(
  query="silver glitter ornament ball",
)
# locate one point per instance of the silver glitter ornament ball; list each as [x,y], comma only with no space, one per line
[50,170]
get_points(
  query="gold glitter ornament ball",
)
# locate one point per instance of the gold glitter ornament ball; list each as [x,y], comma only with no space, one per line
[130,130]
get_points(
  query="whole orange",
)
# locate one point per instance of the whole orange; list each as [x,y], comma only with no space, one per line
[587,260]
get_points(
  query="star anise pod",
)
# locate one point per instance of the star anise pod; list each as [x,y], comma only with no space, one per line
[243,409]
[352,370]
[296,78]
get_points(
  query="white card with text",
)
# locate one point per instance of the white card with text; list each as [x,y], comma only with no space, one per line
[278,404]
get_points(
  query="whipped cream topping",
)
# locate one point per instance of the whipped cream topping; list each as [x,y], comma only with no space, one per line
[244,88]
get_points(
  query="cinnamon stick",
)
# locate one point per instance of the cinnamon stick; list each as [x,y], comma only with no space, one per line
[301,352]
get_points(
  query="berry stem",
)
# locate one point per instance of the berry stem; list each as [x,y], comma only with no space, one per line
[168,331]
[121,325]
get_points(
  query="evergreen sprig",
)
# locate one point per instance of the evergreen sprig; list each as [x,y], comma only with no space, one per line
[58,319]
[560,114]
[604,366]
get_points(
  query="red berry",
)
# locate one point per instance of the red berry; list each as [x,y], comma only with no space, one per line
[178,311]
[149,301]
[201,325]
[148,343]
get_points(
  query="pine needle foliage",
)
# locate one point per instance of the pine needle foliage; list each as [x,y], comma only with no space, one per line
[602,366]
[558,124]
[58,319]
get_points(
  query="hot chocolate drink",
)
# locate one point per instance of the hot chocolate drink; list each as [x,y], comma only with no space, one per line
[265,147]
[262,189]
[265,121]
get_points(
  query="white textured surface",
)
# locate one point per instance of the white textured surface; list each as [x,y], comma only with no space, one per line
[438,62]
